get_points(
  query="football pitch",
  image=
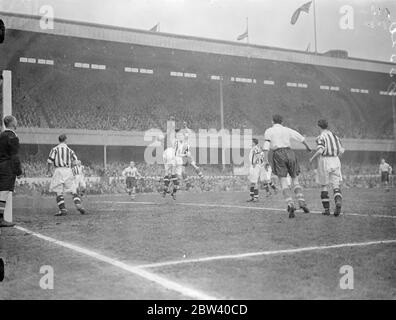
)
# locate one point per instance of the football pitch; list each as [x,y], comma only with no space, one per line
[201,246]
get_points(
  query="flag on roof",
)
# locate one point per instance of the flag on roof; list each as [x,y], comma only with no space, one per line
[155,28]
[304,8]
[243,35]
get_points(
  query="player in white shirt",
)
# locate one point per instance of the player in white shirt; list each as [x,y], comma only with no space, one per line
[187,156]
[278,138]
[131,174]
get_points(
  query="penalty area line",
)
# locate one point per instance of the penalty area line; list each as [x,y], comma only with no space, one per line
[278,209]
[164,282]
[266,253]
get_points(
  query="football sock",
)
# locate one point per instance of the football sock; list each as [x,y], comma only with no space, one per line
[61,202]
[256,192]
[175,181]
[2,208]
[166,181]
[76,200]
[252,192]
[324,195]
[337,196]
[287,197]
[266,187]
[299,196]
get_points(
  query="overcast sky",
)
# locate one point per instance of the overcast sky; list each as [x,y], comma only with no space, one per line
[269,20]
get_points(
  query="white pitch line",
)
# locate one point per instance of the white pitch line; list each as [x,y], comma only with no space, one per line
[168,284]
[278,209]
[265,253]
[215,205]
[126,202]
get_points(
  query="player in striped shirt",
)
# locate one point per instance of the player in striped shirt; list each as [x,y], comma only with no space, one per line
[62,180]
[255,156]
[79,179]
[131,174]
[328,150]
[179,150]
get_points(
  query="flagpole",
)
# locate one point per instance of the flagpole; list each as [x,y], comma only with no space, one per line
[247,29]
[314,9]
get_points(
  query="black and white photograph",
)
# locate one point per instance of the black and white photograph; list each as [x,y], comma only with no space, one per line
[197,150]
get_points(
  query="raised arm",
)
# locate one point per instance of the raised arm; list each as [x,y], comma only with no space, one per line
[300,138]
[123,173]
[319,149]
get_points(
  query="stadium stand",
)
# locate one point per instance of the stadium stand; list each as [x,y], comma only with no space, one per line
[66,82]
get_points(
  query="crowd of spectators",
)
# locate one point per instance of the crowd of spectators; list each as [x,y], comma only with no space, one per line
[216,178]
[76,99]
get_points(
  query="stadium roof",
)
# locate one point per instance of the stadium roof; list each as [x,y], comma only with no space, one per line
[188,43]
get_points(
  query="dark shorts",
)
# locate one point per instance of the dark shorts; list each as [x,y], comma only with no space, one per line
[284,162]
[384,176]
[130,182]
[7,183]
[7,177]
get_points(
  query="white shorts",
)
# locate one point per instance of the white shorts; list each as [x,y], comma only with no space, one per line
[63,181]
[254,174]
[79,180]
[179,166]
[265,176]
[329,171]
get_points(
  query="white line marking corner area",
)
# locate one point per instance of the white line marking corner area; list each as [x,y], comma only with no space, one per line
[164,282]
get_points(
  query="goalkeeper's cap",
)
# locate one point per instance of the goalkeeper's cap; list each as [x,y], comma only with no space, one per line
[2,31]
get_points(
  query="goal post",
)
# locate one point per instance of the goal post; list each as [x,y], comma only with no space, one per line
[7,110]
